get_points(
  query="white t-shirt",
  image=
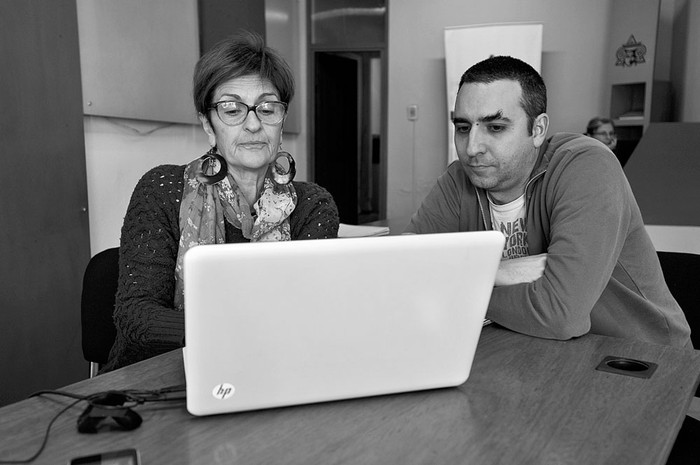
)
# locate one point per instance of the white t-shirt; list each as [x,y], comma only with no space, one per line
[510,220]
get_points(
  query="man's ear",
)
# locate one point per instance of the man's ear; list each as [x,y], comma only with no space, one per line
[539,129]
[206,125]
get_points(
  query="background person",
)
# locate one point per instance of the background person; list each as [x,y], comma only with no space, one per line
[239,191]
[577,258]
[603,129]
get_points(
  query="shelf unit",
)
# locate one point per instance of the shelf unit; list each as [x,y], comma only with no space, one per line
[636,98]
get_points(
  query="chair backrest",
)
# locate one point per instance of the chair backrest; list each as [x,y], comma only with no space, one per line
[97,307]
[682,274]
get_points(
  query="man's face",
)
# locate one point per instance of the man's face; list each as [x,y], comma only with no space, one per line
[492,138]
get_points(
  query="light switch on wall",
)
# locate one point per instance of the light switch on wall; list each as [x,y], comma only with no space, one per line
[412,112]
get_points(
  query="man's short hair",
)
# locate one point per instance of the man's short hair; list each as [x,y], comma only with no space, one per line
[497,68]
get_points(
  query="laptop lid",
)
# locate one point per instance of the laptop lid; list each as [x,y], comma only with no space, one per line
[284,323]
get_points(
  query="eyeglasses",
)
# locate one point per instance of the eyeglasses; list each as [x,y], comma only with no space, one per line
[609,135]
[233,113]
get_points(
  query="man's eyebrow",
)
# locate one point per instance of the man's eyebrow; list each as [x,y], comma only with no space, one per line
[496,116]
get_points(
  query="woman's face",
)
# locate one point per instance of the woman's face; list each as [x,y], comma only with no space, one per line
[606,134]
[251,145]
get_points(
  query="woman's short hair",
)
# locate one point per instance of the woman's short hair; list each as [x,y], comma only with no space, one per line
[597,122]
[496,68]
[243,54]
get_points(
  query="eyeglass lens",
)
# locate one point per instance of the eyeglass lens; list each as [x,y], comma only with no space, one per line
[605,133]
[233,113]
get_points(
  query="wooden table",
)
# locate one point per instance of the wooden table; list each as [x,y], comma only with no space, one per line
[527,401]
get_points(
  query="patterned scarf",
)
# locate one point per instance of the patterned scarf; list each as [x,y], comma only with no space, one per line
[205,207]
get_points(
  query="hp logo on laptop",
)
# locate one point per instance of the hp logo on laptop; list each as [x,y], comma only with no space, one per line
[223,391]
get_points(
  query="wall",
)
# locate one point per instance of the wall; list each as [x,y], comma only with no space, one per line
[119,151]
[685,65]
[664,41]
[572,67]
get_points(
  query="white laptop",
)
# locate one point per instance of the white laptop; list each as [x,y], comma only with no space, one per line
[286,323]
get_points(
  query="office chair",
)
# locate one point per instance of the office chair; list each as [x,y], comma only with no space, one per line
[681,272]
[97,307]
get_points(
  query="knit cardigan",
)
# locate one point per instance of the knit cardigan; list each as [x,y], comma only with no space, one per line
[145,316]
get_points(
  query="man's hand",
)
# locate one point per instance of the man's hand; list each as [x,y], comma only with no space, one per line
[520,270]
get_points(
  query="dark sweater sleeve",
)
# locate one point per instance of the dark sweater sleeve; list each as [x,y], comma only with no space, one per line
[316,215]
[146,320]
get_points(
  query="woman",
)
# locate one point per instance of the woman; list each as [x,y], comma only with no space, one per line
[602,129]
[238,191]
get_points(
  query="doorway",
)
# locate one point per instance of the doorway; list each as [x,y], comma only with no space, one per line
[348,131]
[347,61]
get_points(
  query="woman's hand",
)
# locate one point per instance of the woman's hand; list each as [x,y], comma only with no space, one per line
[520,270]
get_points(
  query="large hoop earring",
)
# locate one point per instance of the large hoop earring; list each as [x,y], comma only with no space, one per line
[213,168]
[279,174]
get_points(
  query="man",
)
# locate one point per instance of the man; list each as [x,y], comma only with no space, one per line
[577,257]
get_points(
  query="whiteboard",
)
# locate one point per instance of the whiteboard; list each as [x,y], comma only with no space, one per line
[468,45]
[137,58]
